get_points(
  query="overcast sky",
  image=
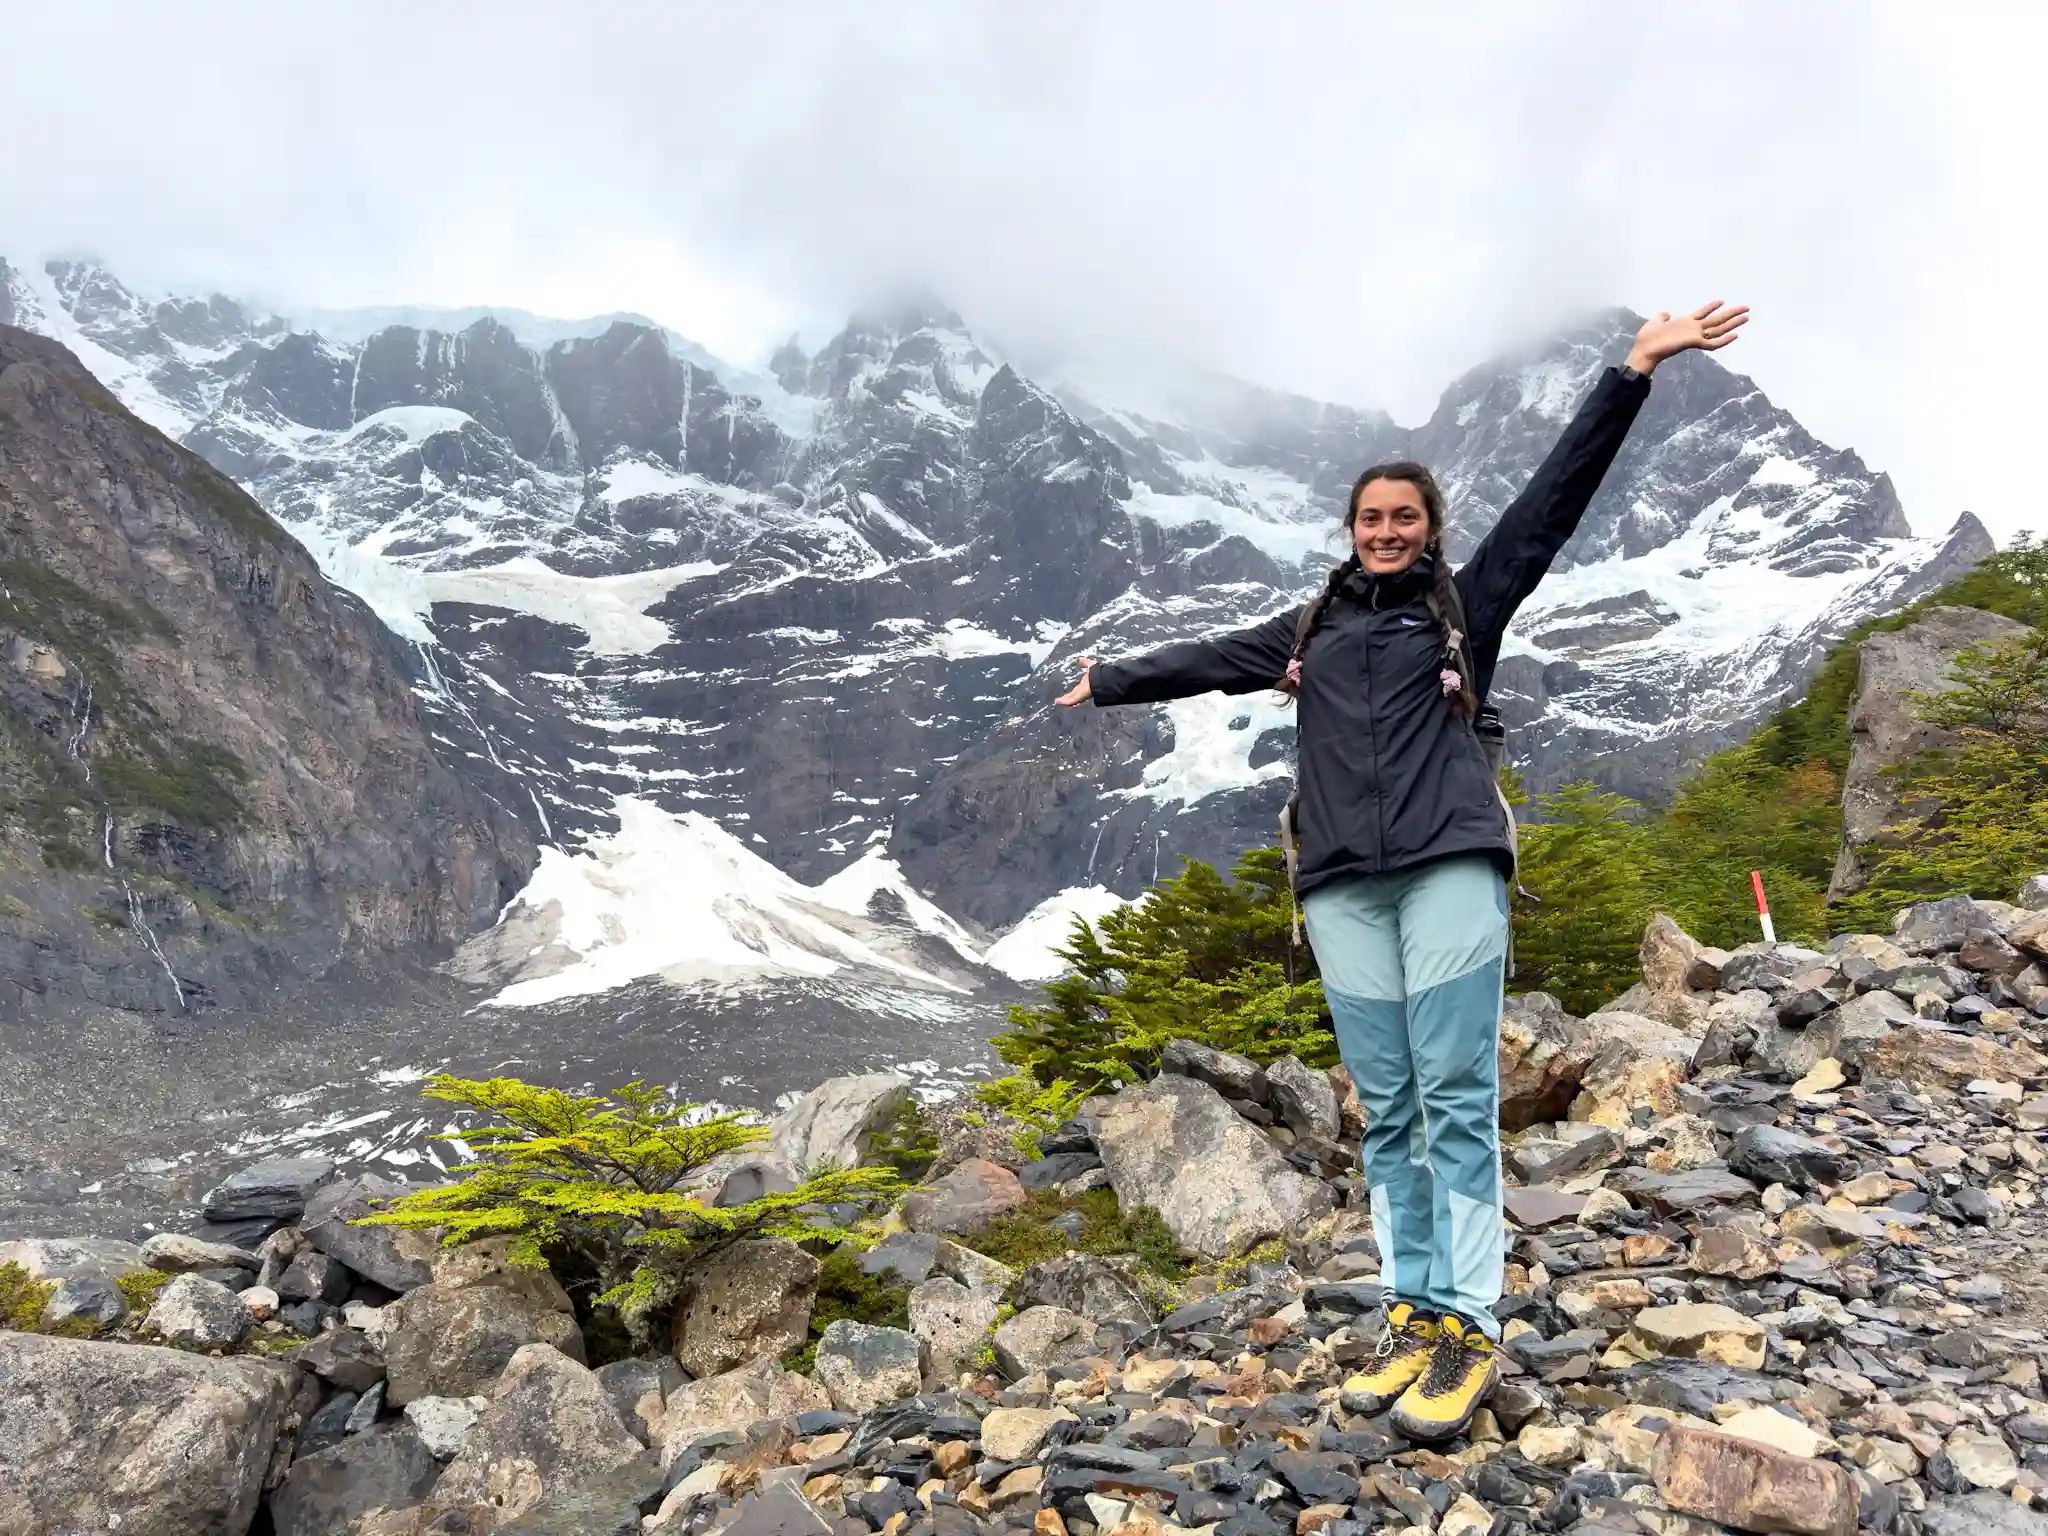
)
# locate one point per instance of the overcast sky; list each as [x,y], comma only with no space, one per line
[1357,201]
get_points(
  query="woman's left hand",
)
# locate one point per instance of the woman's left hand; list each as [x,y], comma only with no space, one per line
[1709,328]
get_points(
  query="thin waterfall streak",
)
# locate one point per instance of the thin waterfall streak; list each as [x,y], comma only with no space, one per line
[1089,879]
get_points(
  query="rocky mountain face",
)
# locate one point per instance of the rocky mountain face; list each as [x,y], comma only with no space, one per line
[213,775]
[827,609]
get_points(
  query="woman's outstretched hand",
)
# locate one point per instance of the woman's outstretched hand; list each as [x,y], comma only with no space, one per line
[1080,693]
[1709,328]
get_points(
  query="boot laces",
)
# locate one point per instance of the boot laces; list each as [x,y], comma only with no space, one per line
[1458,1349]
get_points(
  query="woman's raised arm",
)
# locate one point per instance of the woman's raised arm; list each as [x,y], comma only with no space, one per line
[1514,556]
[1243,661]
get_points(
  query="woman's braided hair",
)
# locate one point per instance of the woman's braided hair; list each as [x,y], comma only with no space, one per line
[1442,602]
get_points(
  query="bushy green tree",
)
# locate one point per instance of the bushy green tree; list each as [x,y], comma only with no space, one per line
[1584,865]
[1201,957]
[598,1186]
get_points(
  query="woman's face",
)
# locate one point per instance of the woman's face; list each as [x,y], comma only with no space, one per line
[1390,527]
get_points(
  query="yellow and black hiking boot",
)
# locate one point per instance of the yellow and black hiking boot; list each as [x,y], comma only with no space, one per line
[1461,1369]
[1401,1357]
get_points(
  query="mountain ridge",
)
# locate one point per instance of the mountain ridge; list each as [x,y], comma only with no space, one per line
[622,575]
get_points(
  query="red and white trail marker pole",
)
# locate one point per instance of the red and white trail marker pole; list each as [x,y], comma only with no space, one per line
[1763,908]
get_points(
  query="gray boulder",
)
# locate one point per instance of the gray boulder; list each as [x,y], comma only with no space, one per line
[953,1321]
[970,1196]
[98,1301]
[1040,1337]
[344,1357]
[1303,1098]
[327,1493]
[488,1262]
[754,1299]
[133,1438]
[551,1428]
[397,1258]
[835,1123]
[1982,1514]
[314,1276]
[905,1257]
[1846,1033]
[864,1366]
[1089,1285]
[276,1188]
[2034,893]
[735,1399]
[64,1258]
[200,1312]
[1542,1057]
[443,1341]
[1929,927]
[1177,1145]
[1232,1076]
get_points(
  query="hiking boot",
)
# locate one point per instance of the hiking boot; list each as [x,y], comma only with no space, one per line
[1401,1357]
[1460,1370]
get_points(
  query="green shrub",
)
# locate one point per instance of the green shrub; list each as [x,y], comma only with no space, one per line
[906,1141]
[22,1299]
[846,1290]
[1026,1235]
[592,1187]
[1200,957]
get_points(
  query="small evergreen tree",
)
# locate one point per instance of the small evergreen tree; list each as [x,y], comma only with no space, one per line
[597,1186]
[1584,863]
[1201,957]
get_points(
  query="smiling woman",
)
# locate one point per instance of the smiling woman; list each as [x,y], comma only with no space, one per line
[1406,853]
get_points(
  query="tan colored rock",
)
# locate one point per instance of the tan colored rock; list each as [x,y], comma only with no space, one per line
[1825,1076]
[1927,1057]
[488,1261]
[1667,953]
[972,1195]
[1829,1230]
[735,1399]
[1017,1434]
[1983,1458]
[1753,1487]
[1466,1517]
[752,1300]
[1350,1112]
[1700,1331]
[1780,1431]
[1542,1054]
[1730,1249]
[1551,1445]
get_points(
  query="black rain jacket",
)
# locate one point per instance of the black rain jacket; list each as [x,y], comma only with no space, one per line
[1390,774]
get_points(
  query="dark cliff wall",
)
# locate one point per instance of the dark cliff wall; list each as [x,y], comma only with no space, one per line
[210,764]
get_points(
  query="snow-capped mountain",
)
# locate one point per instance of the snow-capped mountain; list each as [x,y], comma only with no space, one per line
[819,612]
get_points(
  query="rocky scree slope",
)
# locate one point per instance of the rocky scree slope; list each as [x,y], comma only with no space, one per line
[1773,1226]
[828,609]
[212,772]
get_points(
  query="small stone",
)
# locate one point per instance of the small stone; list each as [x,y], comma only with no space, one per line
[1232,1076]
[262,1302]
[1731,1249]
[1825,1076]
[1542,1205]
[1550,1445]
[314,1276]
[345,1358]
[443,1423]
[1774,1155]
[1466,1517]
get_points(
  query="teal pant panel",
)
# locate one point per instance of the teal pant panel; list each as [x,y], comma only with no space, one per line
[1412,965]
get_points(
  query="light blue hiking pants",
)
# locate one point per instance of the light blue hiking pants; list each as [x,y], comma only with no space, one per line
[1412,967]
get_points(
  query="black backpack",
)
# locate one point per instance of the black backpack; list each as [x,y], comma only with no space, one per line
[1487,725]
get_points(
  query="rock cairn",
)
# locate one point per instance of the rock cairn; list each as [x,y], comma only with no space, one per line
[1774,1248]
